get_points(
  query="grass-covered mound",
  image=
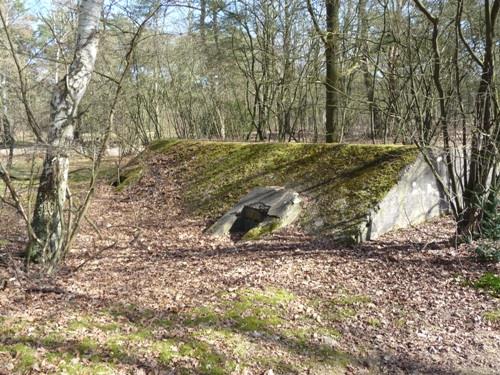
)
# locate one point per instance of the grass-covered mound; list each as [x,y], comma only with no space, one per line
[343,182]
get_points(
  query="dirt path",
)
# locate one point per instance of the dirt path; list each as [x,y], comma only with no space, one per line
[163,298]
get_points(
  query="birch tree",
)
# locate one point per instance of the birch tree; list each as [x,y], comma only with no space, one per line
[48,217]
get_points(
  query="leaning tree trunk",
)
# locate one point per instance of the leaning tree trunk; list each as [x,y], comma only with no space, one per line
[48,217]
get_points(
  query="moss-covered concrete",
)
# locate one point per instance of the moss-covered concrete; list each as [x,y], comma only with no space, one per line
[344,182]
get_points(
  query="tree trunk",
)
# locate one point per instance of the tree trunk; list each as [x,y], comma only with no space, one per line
[8,137]
[486,138]
[332,70]
[368,77]
[48,217]
[203,16]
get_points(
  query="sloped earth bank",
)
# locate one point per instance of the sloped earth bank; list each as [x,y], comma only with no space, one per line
[344,183]
[154,295]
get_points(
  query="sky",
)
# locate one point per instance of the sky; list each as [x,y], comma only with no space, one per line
[38,6]
[175,25]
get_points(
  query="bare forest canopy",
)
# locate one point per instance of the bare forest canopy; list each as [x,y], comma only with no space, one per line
[257,69]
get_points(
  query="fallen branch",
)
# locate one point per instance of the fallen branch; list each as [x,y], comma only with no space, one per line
[94,256]
[36,289]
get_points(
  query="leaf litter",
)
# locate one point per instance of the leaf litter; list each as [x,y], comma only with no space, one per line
[163,298]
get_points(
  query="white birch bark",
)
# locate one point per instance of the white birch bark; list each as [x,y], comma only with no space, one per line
[48,217]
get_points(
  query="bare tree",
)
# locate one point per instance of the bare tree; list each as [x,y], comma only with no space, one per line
[330,40]
[48,217]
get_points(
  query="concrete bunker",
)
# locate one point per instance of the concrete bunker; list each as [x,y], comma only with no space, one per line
[354,192]
[263,210]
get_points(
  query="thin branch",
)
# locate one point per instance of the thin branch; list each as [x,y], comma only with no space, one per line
[473,55]
[31,118]
[425,11]
[316,23]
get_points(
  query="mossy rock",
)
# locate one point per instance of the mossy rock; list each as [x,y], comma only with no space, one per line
[343,183]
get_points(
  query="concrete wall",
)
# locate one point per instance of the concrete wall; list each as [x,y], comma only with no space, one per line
[416,198]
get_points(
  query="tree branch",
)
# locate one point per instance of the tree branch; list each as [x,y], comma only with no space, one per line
[315,22]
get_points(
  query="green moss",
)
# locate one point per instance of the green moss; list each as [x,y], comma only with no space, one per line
[116,349]
[87,346]
[400,323]
[374,322]
[492,316]
[302,336]
[53,357]
[68,363]
[279,366]
[250,310]
[258,310]
[258,319]
[10,327]
[161,145]
[25,356]
[334,357]
[202,315]
[351,300]
[81,323]
[234,342]
[340,314]
[129,176]
[490,283]
[107,327]
[52,339]
[270,296]
[344,182]
[70,367]
[342,307]
[261,230]
[210,362]
[140,335]
[167,351]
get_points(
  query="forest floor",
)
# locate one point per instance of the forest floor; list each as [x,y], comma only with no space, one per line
[145,292]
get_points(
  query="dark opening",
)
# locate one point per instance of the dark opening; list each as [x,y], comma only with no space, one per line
[250,217]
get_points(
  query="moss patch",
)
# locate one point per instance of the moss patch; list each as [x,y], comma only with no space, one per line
[344,182]
[492,316]
[490,283]
[210,362]
[224,336]
[24,355]
[261,230]
[128,177]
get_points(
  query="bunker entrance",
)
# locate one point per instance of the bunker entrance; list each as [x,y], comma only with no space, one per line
[250,217]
